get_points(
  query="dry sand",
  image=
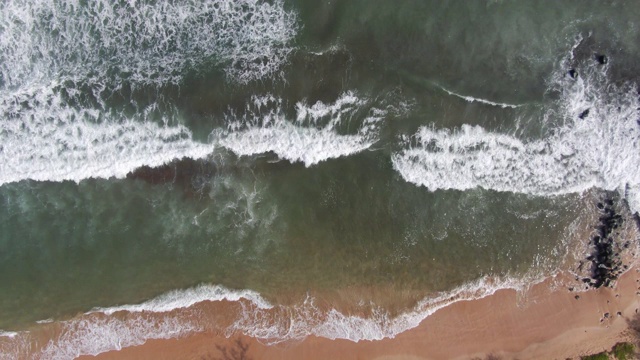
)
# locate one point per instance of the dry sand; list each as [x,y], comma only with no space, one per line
[549,324]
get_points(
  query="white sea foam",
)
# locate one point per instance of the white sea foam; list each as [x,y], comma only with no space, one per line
[142,41]
[44,138]
[601,150]
[15,345]
[58,59]
[307,319]
[97,331]
[179,299]
[55,124]
[100,331]
[313,136]
[93,336]
[9,334]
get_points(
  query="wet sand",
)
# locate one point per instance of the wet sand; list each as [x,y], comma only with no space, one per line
[538,324]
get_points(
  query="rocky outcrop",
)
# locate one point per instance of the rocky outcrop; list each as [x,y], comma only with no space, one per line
[606,262]
[600,59]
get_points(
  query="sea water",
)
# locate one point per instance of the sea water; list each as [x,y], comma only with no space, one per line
[156,157]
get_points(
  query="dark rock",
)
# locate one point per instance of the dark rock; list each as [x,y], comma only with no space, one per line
[605,261]
[572,73]
[601,59]
[584,114]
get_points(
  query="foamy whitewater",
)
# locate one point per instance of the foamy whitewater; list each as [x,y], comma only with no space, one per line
[311,138]
[44,138]
[92,334]
[179,299]
[100,88]
[8,334]
[50,140]
[52,128]
[307,319]
[601,150]
[472,99]
[138,41]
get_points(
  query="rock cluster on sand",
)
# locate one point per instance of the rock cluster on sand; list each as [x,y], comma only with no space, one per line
[606,263]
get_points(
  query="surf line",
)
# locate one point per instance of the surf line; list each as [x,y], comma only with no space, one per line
[472,99]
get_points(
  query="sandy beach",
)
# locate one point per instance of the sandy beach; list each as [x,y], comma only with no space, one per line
[543,323]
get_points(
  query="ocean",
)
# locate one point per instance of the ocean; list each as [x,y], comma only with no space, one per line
[289,168]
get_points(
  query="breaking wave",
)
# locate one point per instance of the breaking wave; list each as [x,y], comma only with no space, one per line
[472,99]
[102,330]
[42,137]
[596,144]
[140,41]
[308,319]
[319,131]
[9,334]
[97,335]
[60,60]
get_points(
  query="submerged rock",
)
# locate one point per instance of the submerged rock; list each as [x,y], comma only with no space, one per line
[601,59]
[186,173]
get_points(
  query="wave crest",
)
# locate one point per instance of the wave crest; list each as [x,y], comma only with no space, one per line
[317,133]
[597,144]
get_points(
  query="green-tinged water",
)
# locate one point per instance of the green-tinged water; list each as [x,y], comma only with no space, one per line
[272,228]
[414,145]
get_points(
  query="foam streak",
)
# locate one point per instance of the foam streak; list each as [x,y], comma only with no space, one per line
[483,101]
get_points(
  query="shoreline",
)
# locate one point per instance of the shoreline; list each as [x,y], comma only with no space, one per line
[546,322]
